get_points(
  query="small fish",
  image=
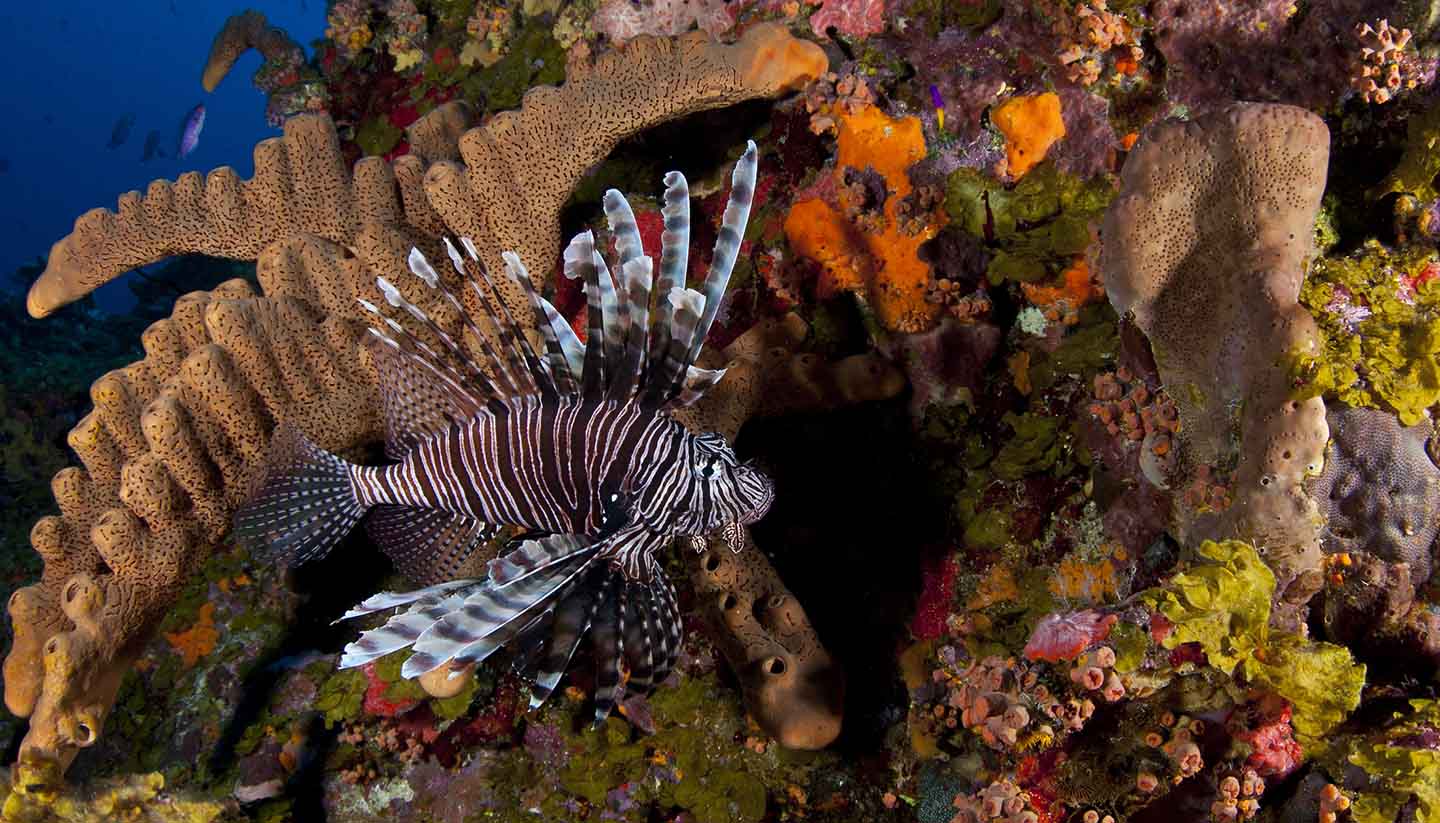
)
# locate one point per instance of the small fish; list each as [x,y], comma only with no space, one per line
[121,131]
[152,147]
[939,107]
[190,131]
[574,442]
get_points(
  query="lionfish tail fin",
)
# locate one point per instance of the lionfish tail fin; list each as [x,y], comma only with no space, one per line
[305,504]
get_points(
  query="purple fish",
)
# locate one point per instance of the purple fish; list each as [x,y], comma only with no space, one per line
[190,130]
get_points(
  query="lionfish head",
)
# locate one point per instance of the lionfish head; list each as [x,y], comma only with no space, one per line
[735,492]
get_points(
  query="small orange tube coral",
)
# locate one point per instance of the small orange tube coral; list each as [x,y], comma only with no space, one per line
[881,259]
[1061,302]
[1031,125]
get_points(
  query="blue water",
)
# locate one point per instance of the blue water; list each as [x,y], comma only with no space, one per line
[73,68]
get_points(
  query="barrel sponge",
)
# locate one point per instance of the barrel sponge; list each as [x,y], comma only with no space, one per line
[793,688]
[1206,246]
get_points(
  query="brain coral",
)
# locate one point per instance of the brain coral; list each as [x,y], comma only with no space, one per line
[1380,491]
[1205,246]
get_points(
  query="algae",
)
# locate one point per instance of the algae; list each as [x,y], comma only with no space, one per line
[1379,311]
[1321,680]
[1035,446]
[1415,174]
[377,136]
[1397,771]
[1223,605]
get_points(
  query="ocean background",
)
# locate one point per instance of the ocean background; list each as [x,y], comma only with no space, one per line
[75,68]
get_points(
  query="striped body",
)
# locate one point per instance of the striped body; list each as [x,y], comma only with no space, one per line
[544,466]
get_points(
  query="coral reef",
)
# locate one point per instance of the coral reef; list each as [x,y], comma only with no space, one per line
[1380,489]
[171,447]
[1099,405]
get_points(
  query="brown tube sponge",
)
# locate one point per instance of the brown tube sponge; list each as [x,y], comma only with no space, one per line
[765,378]
[1206,246]
[244,31]
[169,452]
[518,169]
[792,687]
[436,136]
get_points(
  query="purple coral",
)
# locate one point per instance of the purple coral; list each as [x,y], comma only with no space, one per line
[624,20]
[1090,142]
[1379,491]
[1218,51]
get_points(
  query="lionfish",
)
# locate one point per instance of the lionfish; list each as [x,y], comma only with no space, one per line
[576,448]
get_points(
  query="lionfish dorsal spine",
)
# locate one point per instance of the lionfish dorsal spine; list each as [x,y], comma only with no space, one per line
[567,353]
[516,355]
[421,359]
[579,264]
[727,243]
[638,277]
[502,383]
[674,260]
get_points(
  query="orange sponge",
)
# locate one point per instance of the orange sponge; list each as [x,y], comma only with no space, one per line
[882,264]
[1031,125]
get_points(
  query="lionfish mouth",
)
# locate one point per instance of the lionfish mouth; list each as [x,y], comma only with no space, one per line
[762,505]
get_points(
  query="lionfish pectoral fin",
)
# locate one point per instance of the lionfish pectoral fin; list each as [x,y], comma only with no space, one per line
[495,613]
[427,544]
[426,606]
[306,504]
[628,633]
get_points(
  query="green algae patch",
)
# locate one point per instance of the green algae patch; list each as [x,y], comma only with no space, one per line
[989,529]
[1397,768]
[1223,605]
[1322,681]
[1379,312]
[1418,166]
[1035,446]
[377,136]
[534,59]
[1036,226]
[341,696]
[693,762]
[1130,642]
